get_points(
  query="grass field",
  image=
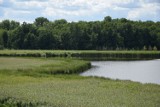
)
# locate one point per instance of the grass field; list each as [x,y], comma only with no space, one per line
[76,91]
[28,82]
[85,54]
[41,66]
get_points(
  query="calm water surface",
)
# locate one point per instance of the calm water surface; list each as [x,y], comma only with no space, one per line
[140,71]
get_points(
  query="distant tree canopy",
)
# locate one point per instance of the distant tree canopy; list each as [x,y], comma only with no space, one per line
[109,34]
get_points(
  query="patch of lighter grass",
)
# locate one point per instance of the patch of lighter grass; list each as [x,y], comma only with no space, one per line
[87,91]
[40,66]
[12,63]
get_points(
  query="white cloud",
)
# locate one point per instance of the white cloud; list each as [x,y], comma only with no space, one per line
[18,15]
[85,7]
[147,11]
[79,9]
[1,1]
[29,4]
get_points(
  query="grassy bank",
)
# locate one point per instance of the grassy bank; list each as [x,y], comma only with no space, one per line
[41,66]
[28,82]
[89,55]
[75,91]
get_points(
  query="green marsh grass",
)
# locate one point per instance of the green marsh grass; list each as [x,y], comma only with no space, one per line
[41,66]
[76,91]
[85,54]
[29,82]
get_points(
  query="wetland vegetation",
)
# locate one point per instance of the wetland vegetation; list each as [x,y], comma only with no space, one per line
[30,82]
[84,54]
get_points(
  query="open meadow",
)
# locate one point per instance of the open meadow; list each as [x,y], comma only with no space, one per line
[55,82]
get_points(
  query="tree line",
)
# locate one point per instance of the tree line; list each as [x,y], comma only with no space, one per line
[109,34]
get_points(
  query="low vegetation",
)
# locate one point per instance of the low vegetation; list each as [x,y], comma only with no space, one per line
[87,54]
[75,91]
[41,66]
[30,82]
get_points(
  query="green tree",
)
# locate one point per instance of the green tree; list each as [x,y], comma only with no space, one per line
[30,41]
[66,41]
[60,34]
[108,19]
[5,24]
[40,21]
[158,41]
[45,39]
[3,38]
[14,24]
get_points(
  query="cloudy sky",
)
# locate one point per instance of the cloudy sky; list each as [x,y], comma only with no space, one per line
[75,10]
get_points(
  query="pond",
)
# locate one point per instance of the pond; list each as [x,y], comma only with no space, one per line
[140,71]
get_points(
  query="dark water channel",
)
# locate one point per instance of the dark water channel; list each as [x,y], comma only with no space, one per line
[140,71]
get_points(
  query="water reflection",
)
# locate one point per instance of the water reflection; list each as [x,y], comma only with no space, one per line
[141,71]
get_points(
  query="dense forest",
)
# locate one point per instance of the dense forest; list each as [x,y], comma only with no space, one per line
[109,34]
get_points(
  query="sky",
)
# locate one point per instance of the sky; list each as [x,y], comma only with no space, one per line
[79,10]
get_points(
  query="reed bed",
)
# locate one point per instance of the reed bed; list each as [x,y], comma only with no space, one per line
[84,54]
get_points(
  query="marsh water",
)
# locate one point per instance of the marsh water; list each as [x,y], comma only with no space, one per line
[140,71]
